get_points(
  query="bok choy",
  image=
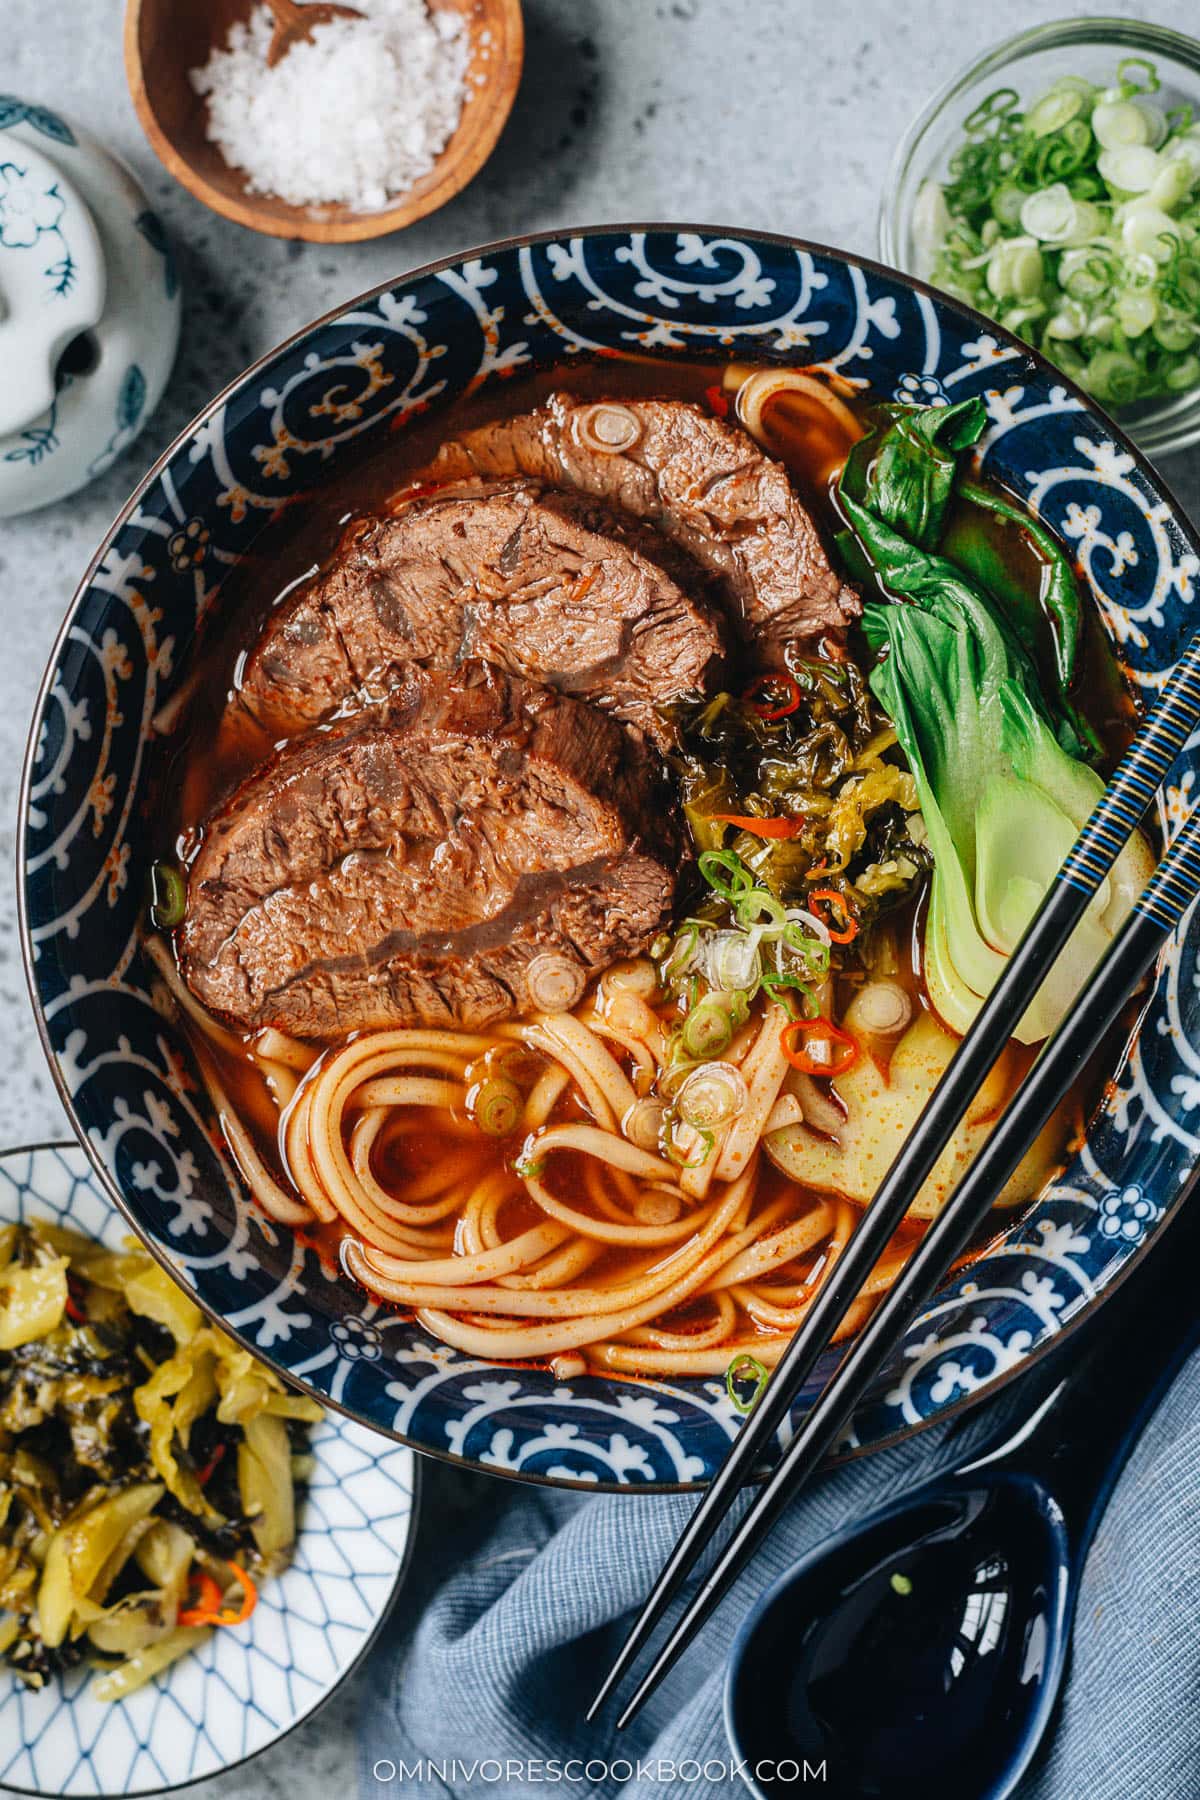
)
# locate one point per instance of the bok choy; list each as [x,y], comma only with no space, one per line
[1002,776]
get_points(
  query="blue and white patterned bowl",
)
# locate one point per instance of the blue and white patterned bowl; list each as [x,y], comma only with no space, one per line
[286,427]
[244,1689]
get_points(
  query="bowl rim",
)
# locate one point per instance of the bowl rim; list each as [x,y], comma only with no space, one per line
[523,241]
[337,224]
[385,1612]
[1160,425]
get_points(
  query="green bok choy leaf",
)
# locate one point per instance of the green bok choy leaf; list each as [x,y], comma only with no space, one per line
[906,476]
[1002,793]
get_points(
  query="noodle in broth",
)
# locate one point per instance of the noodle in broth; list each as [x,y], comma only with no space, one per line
[530,1191]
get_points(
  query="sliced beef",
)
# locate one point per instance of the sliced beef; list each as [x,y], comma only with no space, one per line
[698,480]
[472,847]
[543,584]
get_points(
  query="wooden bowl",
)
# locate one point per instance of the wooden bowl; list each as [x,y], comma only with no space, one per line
[164,39]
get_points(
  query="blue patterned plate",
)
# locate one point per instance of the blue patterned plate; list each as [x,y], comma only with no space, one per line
[242,1690]
[286,427]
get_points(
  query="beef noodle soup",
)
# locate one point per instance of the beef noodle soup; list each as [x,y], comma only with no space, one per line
[590,831]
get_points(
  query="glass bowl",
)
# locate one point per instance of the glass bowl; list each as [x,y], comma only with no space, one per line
[1031,62]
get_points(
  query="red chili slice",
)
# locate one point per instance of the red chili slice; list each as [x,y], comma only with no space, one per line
[763,828]
[818,1031]
[766,708]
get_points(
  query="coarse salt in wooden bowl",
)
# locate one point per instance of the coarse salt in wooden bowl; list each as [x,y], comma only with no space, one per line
[165,40]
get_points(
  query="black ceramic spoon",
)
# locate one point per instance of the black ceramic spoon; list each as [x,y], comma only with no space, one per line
[920,1651]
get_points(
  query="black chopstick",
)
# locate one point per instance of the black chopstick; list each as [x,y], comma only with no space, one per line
[1156,913]
[1123,804]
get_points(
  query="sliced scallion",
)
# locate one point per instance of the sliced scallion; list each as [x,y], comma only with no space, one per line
[1116,123]
[708,1029]
[711,1096]
[495,1104]
[726,873]
[168,895]
[783,986]
[1053,111]
[696,1148]
[1050,213]
[733,963]
[760,907]
[1090,195]
[1132,167]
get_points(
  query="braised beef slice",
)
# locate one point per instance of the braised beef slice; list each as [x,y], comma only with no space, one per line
[542,584]
[698,480]
[432,858]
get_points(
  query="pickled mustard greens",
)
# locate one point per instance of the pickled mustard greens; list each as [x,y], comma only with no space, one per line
[799,780]
[1001,774]
[1075,222]
[147,1464]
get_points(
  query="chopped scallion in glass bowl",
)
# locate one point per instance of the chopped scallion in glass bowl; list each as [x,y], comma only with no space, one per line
[1056,187]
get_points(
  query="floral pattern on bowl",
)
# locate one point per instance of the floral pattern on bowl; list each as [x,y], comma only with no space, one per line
[284,427]
[242,1690]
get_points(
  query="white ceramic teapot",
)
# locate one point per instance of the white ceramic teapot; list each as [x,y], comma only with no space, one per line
[89,307]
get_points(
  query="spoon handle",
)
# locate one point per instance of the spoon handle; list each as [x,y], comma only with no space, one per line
[1080,1437]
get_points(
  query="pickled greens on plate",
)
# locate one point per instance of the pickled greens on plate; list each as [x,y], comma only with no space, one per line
[148,1464]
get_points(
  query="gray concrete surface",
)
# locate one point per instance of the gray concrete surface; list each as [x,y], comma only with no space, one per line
[780,114]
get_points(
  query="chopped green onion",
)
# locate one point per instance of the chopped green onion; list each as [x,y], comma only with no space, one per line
[1076,223]
[681,951]
[1070,321]
[1086,274]
[1113,376]
[682,1156]
[1007,202]
[711,1096]
[708,1029]
[1015,270]
[900,1584]
[1138,75]
[1089,223]
[495,1104]
[1146,230]
[745,1368]
[1053,111]
[529,1167]
[813,949]
[781,987]
[1050,213]
[733,963]
[1135,313]
[1184,375]
[168,895]
[760,906]
[1174,333]
[995,107]
[1173,181]
[1119,122]
[643,1123]
[1186,150]
[726,873]
[1132,167]
[1075,84]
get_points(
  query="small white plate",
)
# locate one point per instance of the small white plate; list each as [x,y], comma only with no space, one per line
[244,1689]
